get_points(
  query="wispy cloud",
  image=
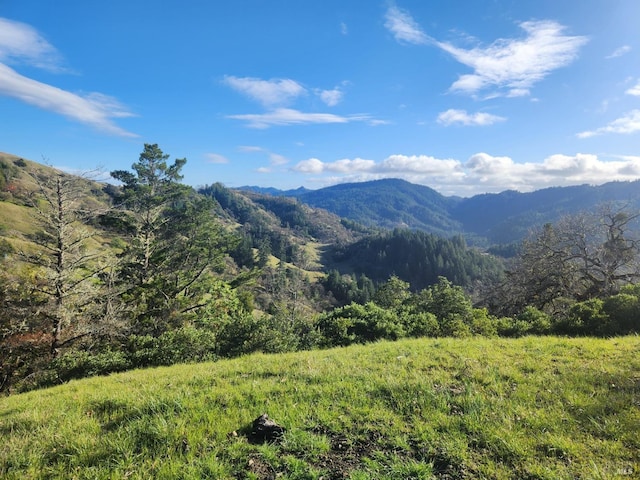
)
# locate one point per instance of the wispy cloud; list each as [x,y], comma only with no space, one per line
[344,29]
[403,27]
[629,123]
[481,173]
[21,44]
[452,117]
[94,109]
[216,158]
[513,66]
[275,159]
[288,116]
[250,149]
[635,90]
[279,91]
[618,52]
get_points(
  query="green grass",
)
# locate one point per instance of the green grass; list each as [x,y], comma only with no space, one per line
[532,408]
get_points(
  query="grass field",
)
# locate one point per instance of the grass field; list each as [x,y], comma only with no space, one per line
[531,408]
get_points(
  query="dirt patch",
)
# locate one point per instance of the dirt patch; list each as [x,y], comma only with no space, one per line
[345,455]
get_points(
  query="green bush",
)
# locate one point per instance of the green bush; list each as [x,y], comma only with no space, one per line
[623,311]
[356,323]
[586,318]
[185,344]
[538,322]
[83,363]
[421,324]
[483,324]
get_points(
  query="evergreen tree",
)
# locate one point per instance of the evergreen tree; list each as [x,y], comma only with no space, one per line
[174,244]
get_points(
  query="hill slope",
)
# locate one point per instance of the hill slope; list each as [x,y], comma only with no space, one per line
[529,408]
[388,203]
[494,218]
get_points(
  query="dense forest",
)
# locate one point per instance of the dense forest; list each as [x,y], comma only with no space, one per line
[100,277]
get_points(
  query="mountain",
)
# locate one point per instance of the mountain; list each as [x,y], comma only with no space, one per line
[508,216]
[388,203]
[273,191]
[488,218]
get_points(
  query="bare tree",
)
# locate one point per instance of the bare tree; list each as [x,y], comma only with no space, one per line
[68,265]
[588,255]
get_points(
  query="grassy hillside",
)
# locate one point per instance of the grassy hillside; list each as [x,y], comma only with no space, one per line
[534,408]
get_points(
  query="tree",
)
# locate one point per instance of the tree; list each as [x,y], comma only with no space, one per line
[67,267]
[174,246]
[392,293]
[583,256]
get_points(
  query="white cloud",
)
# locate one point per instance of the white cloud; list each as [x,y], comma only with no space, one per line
[344,30]
[481,173]
[618,52]
[288,116]
[453,116]
[403,27]
[277,159]
[94,109]
[21,43]
[515,65]
[331,97]
[216,158]
[422,164]
[278,91]
[250,149]
[629,123]
[635,90]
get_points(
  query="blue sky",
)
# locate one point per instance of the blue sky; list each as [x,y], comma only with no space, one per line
[466,97]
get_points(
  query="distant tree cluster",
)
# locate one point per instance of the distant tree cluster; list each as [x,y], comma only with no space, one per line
[420,258]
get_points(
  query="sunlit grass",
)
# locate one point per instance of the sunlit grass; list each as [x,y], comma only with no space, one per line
[545,408]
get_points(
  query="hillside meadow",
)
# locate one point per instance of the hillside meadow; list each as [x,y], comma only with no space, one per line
[529,408]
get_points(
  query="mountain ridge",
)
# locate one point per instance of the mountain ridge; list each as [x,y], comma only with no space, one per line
[503,217]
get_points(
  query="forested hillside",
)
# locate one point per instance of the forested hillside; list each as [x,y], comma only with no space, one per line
[99,277]
[486,219]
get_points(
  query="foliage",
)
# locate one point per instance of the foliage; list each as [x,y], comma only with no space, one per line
[590,255]
[356,323]
[346,288]
[537,407]
[420,258]
[175,244]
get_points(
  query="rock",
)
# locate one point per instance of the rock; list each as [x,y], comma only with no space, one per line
[265,430]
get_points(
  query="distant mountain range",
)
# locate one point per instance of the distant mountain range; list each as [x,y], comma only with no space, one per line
[488,218]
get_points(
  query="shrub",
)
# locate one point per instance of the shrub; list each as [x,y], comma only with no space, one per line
[185,344]
[483,324]
[422,324]
[586,317]
[356,323]
[83,363]
[537,322]
[623,311]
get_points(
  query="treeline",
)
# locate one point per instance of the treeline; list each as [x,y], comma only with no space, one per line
[419,258]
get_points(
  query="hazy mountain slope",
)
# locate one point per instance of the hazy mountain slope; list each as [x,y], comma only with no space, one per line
[508,216]
[388,203]
[488,218]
